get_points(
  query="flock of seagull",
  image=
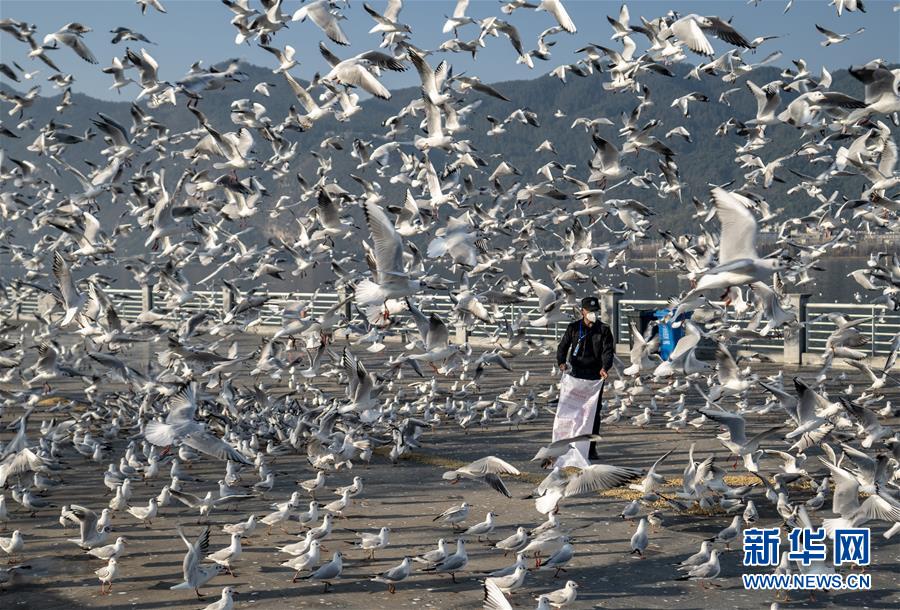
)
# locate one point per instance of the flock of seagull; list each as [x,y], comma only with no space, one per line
[459,229]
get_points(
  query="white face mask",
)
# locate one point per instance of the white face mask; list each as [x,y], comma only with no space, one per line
[591,316]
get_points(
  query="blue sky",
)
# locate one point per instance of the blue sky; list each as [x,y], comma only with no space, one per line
[200,30]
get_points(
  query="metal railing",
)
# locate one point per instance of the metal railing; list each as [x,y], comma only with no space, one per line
[627,306]
[129,304]
[772,342]
[880,328]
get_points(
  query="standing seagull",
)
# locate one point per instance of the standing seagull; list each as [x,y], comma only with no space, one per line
[373,542]
[705,571]
[394,575]
[510,582]
[453,563]
[434,556]
[481,529]
[225,557]
[640,539]
[454,515]
[145,514]
[226,602]
[12,546]
[329,571]
[698,558]
[110,550]
[565,596]
[107,574]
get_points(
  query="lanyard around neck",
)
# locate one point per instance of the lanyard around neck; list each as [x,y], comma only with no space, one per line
[581,336]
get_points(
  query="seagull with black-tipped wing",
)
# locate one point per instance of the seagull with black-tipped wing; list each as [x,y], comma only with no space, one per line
[486,470]
[180,428]
[736,441]
[845,503]
[391,280]
[72,300]
[319,12]
[359,70]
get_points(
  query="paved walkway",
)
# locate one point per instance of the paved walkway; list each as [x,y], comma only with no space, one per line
[406,497]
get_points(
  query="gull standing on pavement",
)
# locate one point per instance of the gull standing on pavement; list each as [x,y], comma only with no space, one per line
[454,515]
[453,563]
[328,571]
[394,575]
[481,529]
[226,602]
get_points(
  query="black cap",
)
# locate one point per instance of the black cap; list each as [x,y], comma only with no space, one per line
[590,303]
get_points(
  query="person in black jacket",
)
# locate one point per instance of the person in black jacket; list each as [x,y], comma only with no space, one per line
[586,352]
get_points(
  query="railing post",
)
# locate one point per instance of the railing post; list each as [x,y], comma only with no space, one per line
[872,333]
[609,312]
[461,333]
[795,337]
[144,350]
[343,295]
[146,297]
[227,303]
